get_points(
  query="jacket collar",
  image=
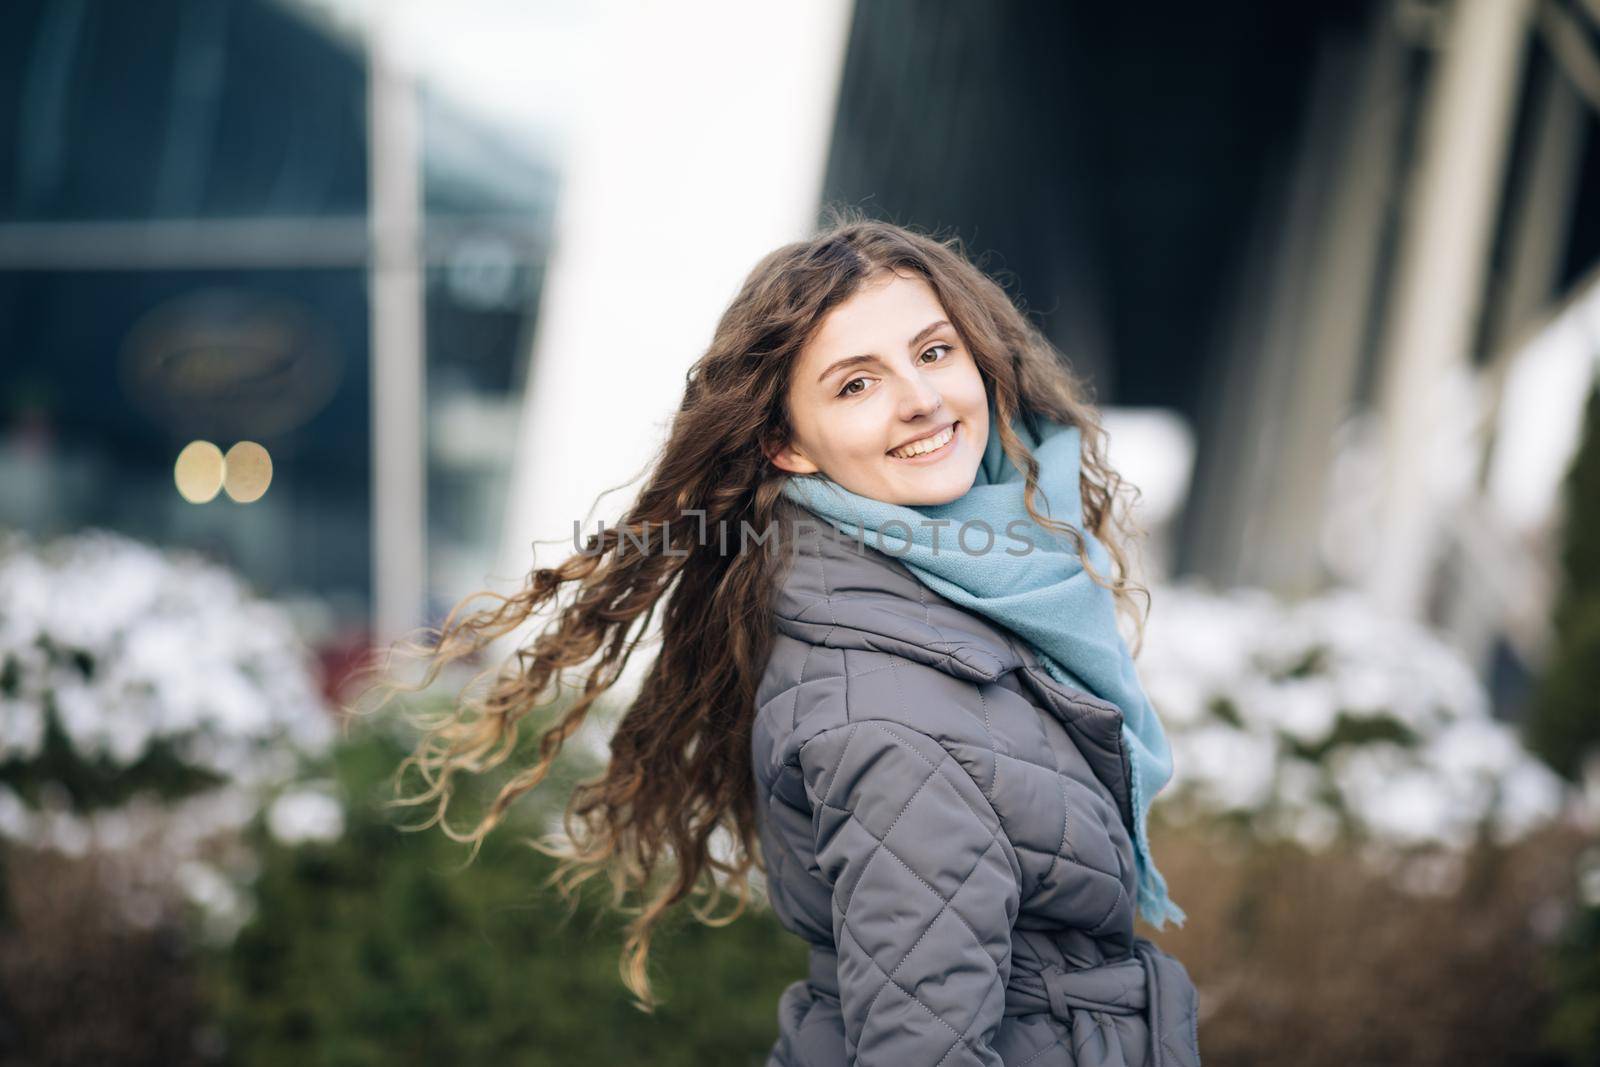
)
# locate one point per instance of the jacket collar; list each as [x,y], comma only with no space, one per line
[840,593]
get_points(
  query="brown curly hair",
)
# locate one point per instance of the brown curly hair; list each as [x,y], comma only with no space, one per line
[680,763]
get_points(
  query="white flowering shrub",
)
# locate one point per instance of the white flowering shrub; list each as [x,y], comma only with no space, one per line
[150,705]
[1327,718]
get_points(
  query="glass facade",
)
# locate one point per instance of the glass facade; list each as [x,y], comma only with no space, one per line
[183,256]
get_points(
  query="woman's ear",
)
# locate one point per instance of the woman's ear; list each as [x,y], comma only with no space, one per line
[791,459]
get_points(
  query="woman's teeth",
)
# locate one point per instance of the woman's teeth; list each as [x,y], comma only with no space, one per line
[927,444]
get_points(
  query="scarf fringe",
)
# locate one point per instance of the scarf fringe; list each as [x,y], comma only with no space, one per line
[1155,906]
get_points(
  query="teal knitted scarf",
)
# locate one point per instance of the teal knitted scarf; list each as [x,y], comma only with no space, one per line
[1044,596]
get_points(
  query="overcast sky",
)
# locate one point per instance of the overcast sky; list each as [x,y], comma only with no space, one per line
[520,63]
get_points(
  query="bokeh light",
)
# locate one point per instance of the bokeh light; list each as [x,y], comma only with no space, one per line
[248,472]
[198,471]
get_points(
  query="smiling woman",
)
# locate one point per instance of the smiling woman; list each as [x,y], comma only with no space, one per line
[905,421]
[942,764]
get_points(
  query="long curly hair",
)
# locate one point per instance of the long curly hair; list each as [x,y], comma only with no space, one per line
[680,765]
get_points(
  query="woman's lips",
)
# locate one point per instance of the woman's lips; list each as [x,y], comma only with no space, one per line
[937,454]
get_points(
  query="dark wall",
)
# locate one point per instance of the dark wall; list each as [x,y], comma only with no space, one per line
[1108,155]
[176,108]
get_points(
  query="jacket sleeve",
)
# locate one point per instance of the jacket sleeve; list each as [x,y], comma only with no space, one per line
[925,890]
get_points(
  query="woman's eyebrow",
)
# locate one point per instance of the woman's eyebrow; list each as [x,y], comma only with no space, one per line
[850,361]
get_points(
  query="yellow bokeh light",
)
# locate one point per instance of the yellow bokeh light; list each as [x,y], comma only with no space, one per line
[247,472]
[198,471]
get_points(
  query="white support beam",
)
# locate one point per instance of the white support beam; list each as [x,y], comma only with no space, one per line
[399,511]
[701,147]
[1439,280]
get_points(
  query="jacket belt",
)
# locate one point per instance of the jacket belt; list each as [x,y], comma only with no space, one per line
[1081,998]
[1085,998]
[1118,988]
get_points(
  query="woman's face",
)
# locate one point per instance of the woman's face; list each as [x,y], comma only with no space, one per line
[886,400]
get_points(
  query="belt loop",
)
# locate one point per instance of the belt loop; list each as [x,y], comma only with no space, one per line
[1056,993]
[824,972]
[1158,1047]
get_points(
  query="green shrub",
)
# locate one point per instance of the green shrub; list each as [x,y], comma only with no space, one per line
[1564,725]
[1564,728]
[1573,1026]
[382,948]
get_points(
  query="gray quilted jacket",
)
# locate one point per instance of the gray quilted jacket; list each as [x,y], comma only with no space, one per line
[949,829]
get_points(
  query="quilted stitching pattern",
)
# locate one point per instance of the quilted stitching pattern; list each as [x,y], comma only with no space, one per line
[944,823]
[908,842]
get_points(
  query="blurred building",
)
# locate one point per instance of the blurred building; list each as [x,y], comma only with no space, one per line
[1325,234]
[1342,252]
[188,252]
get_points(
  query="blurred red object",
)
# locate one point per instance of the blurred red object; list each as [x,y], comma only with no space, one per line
[340,659]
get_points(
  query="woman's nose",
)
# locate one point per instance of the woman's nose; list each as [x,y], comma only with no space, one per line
[919,398]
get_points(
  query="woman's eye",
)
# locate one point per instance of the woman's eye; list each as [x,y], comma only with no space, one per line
[849,390]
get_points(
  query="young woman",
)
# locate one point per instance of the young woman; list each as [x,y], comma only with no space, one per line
[882,537]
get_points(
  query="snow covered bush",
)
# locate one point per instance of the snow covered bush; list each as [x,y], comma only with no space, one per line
[1327,718]
[149,704]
